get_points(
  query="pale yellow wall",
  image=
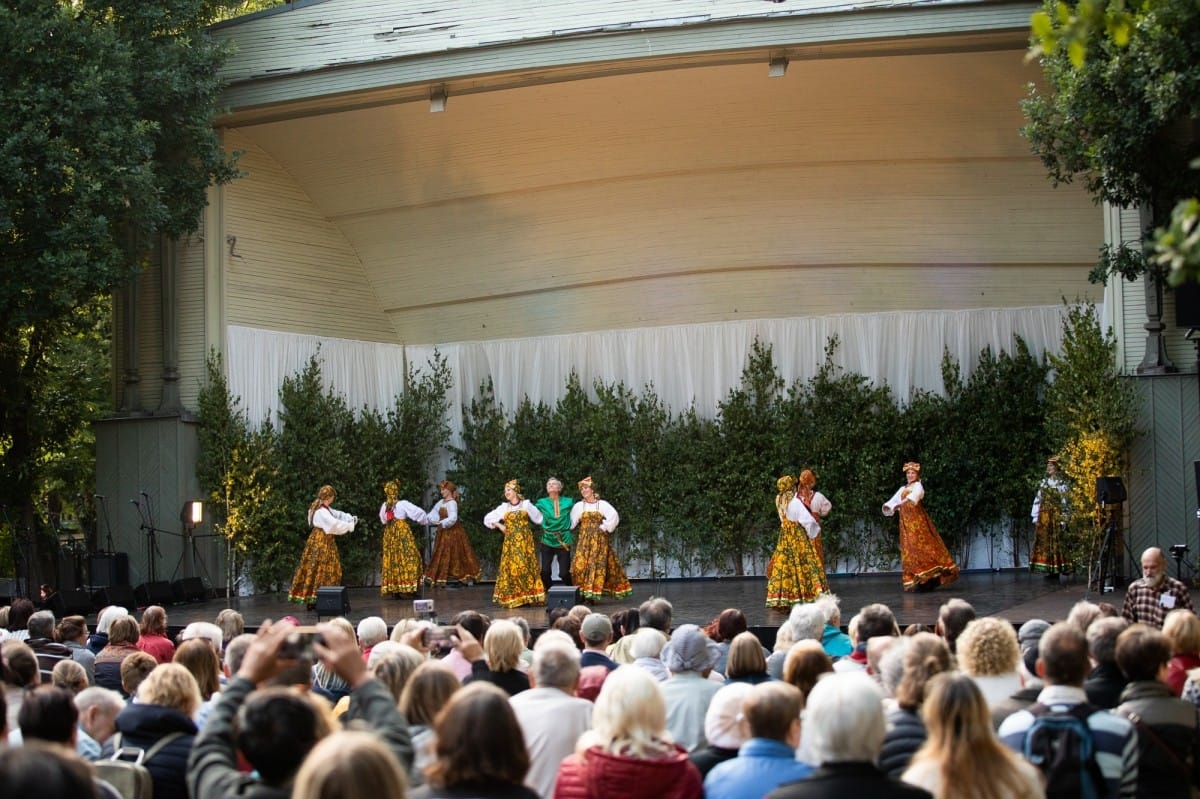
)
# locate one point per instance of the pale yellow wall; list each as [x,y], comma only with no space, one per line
[290,268]
[695,195]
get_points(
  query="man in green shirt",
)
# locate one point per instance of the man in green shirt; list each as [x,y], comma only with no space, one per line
[556,532]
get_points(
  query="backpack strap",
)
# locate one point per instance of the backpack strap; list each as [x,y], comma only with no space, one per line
[159,745]
[1143,727]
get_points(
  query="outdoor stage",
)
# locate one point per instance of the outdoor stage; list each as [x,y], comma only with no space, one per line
[1014,595]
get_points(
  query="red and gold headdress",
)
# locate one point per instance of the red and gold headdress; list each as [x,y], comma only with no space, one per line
[516,487]
[913,465]
[808,478]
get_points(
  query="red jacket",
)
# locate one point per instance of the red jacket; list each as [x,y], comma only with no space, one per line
[600,775]
[157,646]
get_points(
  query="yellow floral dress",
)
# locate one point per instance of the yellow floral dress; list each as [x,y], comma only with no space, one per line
[519,579]
[1049,555]
[595,569]
[795,574]
[320,564]
[401,555]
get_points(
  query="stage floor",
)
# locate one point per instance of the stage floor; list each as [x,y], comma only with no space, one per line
[1014,595]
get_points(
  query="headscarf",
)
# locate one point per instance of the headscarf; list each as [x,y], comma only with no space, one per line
[916,467]
[516,487]
[391,488]
[587,481]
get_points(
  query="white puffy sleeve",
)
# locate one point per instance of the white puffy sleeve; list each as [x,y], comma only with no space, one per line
[333,522]
[821,506]
[796,512]
[535,515]
[576,513]
[611,518]
[890,506]
[1037,503]
[407,510]
[496,516]
[451,513]
[916,492]
[383,509]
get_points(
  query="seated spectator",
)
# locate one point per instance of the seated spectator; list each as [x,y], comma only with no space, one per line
[953,618]
[655,613]
[390,663]
[20,675]
[206,630]
[873,620]
[722,631]
[69,676]
[746,662]
[41,640]
[527,636]
[277,727]
[477,626]
[723,728]
[45,771]
[551,717]
[152,635]
[628,752]
[596,634]
[371,631]
[326,683]
[1105,682]
[645,650]
[806,622]
[72,632]
[804,666]
[350,765]
[1182,628]
[198,657]
[1083,613]
[98,708]
[836,643]
[232,625]
[768,758]
[989,653]
[425,694]
[99,639]
[689,656]
[1166,725]
[135,669]
[166,701]
[497,660]
[845,729]
[479,749]
[122,642]
[48,714]
[18,619]
[924,656]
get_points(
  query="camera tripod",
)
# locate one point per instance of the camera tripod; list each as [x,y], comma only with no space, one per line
[1105,568]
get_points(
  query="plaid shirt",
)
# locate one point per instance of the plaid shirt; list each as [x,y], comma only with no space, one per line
[1145,604]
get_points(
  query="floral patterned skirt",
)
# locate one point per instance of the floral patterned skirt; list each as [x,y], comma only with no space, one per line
[1048,554]
[453,558]
[401,559]
[319,565]
[795,573]
[924,559]
[519,579]
[595,568]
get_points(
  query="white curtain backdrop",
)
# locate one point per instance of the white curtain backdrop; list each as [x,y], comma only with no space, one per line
[686,365]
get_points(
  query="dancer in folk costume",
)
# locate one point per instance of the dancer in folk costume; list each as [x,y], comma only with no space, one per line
[556,533]
[518,580]
[595,569]
[817,504]
[453,560]
[401,555]
[795,573]
[925,563]
[320,564]
[1049,513]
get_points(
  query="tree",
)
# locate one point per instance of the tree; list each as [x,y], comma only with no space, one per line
[106,143]
[1121,113]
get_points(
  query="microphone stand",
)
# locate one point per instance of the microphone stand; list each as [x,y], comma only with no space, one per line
[108,541]
[146,525]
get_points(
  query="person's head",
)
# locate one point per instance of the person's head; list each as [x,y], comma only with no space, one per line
[479,742]
[526,633]
[772,710]
[554,487]
[912,471]
[844,719]
[512,492]
[556,666]
[198,658]
[630,716]
[22,663]
[98,708]
[596,631]
[275,730]
[726,625]
[206,630]
[19,613]
[1029,636]
[232,625]
[570,626]
[448,490]
[123,631]
[427,692]
[326,494]
[371,631]
[1052,465]
[1082,614]
[579,613]
[391,491]
[746,656]
[1154,567]
[503,645]
[786,485]
[135,667]
[830,607]
[723,721]
[1182,628]
[473,622]
[45,770]
[690,650]
[48,714]
[805,663]
[394,667]
[807,621]
[807,479]
[1143,653]
[1101,639]
[953,618]
[41,624]
[108,616]
[891,666]
[656,612]
[72,629]
[350,765]
[170,685]
[69,675]
[1063,655]
[235,651]
[154,621]
[588,489]
[924,656]
[955,713]
[648,642]
[876,619]
[988,646]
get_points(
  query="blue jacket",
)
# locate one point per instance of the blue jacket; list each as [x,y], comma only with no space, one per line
[835,642]
[762,765]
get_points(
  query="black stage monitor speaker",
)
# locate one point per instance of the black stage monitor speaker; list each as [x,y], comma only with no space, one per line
[562,596]
[188,589]
[333,600]
[119,595]
[1110,490]
[71,603]
[155,593]
[109,568]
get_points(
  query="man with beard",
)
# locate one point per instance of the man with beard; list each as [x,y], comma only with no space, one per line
[1151,598]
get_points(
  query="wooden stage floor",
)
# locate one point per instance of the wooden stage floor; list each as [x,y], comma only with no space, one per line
[1014,595]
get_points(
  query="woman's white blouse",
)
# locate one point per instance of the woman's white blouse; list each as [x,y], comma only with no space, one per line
[497,515]
[611,519]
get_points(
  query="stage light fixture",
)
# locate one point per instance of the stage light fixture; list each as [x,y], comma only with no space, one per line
[778,67]
[192,513]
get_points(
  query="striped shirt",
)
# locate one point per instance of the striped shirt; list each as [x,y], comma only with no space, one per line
[1114,738]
